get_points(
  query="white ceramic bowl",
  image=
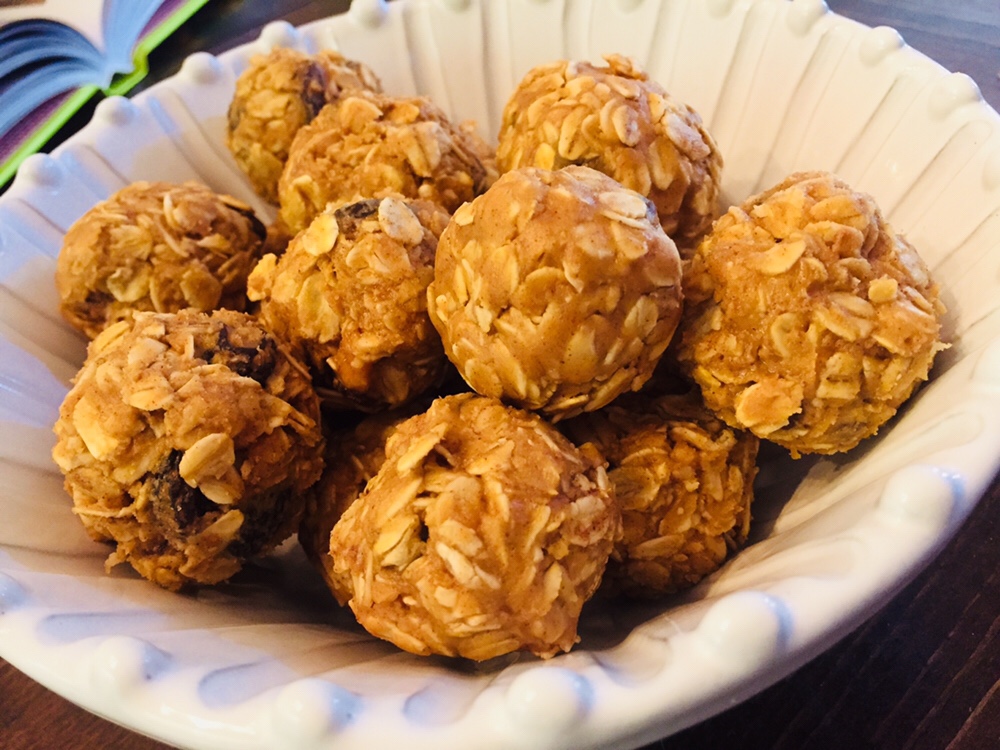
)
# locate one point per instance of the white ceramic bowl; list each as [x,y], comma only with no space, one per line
[268,661]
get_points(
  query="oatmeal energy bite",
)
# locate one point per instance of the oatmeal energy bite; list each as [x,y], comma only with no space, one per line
[484,532]
[160,247]
[275,96]
[350,295]
[684,482]
[365,145]
[556,291]
[189,441]
[808,320]
[614,119]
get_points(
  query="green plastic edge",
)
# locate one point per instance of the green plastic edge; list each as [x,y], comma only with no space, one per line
[120,85]
[45,131]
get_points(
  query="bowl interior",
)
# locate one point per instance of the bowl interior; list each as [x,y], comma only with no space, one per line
[783,86]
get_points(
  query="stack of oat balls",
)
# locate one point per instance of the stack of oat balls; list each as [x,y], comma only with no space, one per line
[479,385]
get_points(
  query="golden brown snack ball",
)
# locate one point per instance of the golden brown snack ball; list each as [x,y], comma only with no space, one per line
[366,145]
[188,441]
[684,482]
[556,290]
[809,320]
[484,532]
[350,293]
[616,120]
[277,94]
[353,457]
[156,246]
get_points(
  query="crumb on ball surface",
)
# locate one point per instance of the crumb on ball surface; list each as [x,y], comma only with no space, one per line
[613,118]
[556,290]
[188,441]
[350,293]
[366,145]
[484,532]
[684,482]
[809,321]
[156,246]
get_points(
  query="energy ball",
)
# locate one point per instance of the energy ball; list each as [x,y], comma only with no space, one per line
[556,290]
[483,533]
[684,482]
[350,294]
[616,120]
[352,458]
[188,441]
[275,96]
[809,321]
[156,246]
[366,145]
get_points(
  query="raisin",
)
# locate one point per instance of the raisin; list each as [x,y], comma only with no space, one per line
[177,507]
[313,90]
[349,217]
[254,362]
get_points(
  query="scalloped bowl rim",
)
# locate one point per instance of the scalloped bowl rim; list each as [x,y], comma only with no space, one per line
[737,634]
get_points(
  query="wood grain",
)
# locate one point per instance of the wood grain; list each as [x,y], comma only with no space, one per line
[922,674]
[962,35]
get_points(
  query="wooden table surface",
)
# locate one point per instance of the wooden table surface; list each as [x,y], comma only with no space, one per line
[923,673]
